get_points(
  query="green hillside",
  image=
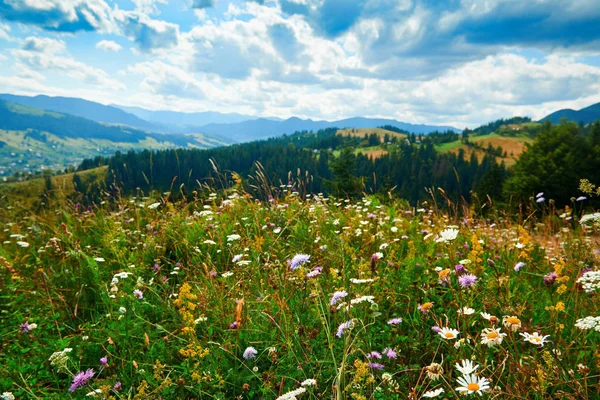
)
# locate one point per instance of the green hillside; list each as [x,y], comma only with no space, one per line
[32,139]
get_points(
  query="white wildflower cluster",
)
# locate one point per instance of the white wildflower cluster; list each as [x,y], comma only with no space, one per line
[59,359]
[359,281]
[587,323]
[356,301]
[292,395]
[7,396]
[447,235]
[590,219]
[590,281]
[309,382]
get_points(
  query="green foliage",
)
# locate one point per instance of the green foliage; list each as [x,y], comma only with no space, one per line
[560,156]
[201,265]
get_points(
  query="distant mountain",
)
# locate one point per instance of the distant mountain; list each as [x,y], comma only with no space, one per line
[32,138]
[585,115]
[184,120]
[84,109]
[264,128]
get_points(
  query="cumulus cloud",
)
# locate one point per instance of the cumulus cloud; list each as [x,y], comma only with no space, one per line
[108,45]
[43,44]
[94,15]
[149,34]
[58,15]
[167,80]
[4,29]
[48,55]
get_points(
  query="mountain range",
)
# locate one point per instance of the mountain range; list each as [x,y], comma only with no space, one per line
[219,126]
[586,115]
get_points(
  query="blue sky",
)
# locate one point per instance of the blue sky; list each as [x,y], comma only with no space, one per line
[458,62]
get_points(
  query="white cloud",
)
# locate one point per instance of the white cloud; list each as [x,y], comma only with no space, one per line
[4,29]
[44,54]
[166,80]
[44,45]
[108,45]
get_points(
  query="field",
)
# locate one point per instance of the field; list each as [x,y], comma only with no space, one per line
[514,146]
[364,132]
[227,297]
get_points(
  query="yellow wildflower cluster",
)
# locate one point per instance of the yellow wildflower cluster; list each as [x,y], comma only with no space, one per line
[560,306]
[476,255]
[527,245]
[186,303]
[559,268]
[362,378]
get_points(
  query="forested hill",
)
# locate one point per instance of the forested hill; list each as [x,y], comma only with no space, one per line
[324,161]
[344,163]
[265,128]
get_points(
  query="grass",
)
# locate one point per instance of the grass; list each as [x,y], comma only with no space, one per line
[168,300]
[24,195]
[364,132]
[513,145]
[369,151]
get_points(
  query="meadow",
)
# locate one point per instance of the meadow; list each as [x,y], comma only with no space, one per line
[303,296]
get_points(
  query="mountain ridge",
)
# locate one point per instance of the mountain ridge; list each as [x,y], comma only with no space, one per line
[586,115]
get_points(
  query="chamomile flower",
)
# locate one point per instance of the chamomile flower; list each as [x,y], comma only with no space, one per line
[434,371]
[473,384]
[433,393]
[535,338]
[513,323]
[448,333]
[466,311]
[466,367]
[491,336]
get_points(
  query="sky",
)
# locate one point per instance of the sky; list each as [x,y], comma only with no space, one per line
[456,62]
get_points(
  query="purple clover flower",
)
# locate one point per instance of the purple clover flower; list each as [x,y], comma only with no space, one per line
[519,265]
[467,280]
[549,279]
[394,321]
[298,260]
[81,379]
[337,296]
[250,353]
[376,366]
[344,326]
[390,353]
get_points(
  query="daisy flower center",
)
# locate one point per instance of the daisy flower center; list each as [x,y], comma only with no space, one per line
[449,335]
[492,335]
[426,306]
[473,387]
[513,320]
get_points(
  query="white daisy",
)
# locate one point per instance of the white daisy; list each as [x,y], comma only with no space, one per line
[448,333]
[492,336]
[535,338]
[473,384]
[433,393]
[466,367]
[466,311]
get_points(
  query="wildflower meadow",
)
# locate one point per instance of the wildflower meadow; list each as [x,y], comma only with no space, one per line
[225,296]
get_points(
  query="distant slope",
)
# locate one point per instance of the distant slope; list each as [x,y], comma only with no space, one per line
[586,115]
[33,139]
[84,109]
[264,128]
[512,147]
[184,119]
